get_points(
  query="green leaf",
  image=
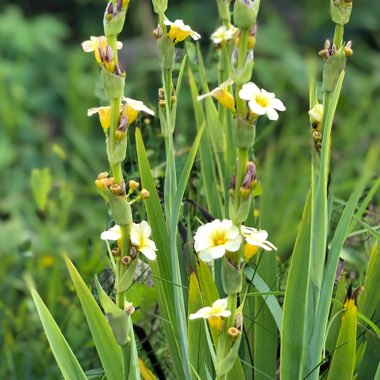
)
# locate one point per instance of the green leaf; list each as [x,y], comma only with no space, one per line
[342,365]
[269,299]
[108,350]
[117,318]
[41,182]
[340,235]
[196,335]
[296,300]
[161,268]
[66,360]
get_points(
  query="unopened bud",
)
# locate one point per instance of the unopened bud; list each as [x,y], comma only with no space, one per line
[347,49]
[157,33]
[103,175]
[162,103]
[116,252]
[115,189]
[233,332]
[126,260]
[144,194]
[100,184]
[133,185]
[119,135]
[129,308]
[245,13]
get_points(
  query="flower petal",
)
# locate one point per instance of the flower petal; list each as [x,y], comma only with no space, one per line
[256,108]
[248,91]
[271,113]
[277,104]
[113,233]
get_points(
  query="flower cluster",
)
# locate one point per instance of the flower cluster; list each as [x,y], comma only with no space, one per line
[214,239]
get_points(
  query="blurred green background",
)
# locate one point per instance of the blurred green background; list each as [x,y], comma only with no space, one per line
[47,84]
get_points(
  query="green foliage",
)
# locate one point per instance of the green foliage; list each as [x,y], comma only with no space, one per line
[51,152]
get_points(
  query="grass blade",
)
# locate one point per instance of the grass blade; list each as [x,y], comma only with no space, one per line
[109,351]
[66,360]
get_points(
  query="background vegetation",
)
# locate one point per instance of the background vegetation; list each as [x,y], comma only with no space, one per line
[46,87]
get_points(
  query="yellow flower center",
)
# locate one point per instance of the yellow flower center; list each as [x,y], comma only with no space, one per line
[262,100]
[219,238]
[175,33]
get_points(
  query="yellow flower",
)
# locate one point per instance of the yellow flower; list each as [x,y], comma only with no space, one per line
[131,108]
[47,261]
[96,43]
[213,239]
[104,115]
[218,309]
[179,31]
[250,251]
[222,95]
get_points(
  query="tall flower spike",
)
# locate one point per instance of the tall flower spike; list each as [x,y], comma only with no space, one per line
[97,44]
[257,238]
[213,239]
[104,115]
[131,108]
[218,309]
[261,102]
[222,95]
[179,31]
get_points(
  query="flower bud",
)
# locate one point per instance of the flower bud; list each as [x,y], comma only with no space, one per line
[126,260]
[129,308]
[133,185]
[245,13]
[144,194]
[113,22]
[233,332]
[224,9]
[244,74]
[340,11]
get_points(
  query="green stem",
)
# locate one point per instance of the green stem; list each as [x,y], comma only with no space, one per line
[112,42]
[117,172]
[240,173]
[338,36]
[242,57]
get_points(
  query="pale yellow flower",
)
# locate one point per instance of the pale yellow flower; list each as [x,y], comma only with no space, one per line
[131,108]
[218,309]
[140,235]
[223,34]
[179,31]
[96,43]
[222,95]
[261,102]
[104,115]
[213,239]
[316,113]
[257,238]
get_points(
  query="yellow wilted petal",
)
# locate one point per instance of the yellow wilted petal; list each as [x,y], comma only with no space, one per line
[250,251]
